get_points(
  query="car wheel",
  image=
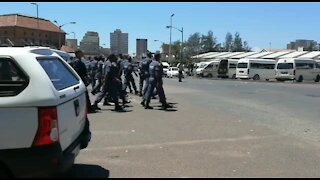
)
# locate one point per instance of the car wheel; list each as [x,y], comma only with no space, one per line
[317,79]
[300,79]
[233,76]
[256,77]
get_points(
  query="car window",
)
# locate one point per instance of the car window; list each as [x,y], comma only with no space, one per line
[60,75]
[12,79]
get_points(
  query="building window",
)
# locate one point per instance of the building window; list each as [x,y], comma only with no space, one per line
[32,34]
[24,33]
[5,32]
[46,35]
[39,34]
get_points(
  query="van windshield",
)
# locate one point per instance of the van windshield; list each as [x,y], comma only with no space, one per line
[242,65]
[285,66]
[202,65]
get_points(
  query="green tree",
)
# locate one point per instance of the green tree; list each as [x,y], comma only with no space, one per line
[237,43]
[193,45]
[246,47]
[208,42]
[228,44]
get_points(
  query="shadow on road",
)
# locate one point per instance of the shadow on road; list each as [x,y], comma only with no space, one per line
[85,171]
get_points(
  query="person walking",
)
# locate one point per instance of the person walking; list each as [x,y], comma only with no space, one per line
[128,70]
[81,70]
[144,70]
[155,81]
[180,67]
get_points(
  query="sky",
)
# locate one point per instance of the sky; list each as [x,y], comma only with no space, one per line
[258,23]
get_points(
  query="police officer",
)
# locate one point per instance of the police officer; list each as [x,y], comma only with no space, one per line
[98,75]
[122,93]
[144,70]
[155,81]
[141,75]
[128,70]
[111,84]
[93,67]
[81,70]
[180,67]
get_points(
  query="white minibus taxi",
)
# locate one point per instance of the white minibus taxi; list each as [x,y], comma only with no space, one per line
[297,69]
[256,69]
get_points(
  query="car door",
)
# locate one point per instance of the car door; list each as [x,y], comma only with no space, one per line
[71,102]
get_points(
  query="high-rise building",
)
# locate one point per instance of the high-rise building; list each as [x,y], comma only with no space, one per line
[141,48]
[90,43]
[307,45]
[119,42]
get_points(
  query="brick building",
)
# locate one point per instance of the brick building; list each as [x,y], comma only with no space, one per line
[22,30]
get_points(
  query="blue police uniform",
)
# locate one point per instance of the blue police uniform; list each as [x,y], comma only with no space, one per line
[155,81]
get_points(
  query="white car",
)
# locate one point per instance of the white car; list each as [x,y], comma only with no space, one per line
[174,72]
[43,121]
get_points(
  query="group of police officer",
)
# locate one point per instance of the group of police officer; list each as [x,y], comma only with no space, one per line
[105,77]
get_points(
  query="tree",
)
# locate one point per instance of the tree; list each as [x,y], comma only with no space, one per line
[246,47]
[208,42]
[193,45]
[237,43]
[228,42]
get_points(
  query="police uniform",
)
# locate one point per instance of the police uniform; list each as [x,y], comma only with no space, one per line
[128,70]
[144,74]
[155,81]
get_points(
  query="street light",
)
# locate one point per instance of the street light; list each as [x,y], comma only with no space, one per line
[181,30]
[37,16]
[170,36]
[60,26]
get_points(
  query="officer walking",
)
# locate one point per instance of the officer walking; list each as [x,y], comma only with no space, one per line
[128,70]
[144,75]
[155,81]
[180,67]
[81,70]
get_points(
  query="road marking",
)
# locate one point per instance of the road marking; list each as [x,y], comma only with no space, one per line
[157,145]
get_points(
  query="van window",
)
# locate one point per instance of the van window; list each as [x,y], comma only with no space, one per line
[60,75]
[261,66]
[242,65]
[285,66]
[232,65]
[209,66]
[304,65]
[12,79]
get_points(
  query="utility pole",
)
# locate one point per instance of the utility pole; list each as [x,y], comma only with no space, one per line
[170,36]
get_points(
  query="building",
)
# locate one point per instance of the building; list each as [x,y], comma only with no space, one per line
[119,42]
[90,43]
[308,45]
[141,47]
[22,30]
[73,43]
[105,51]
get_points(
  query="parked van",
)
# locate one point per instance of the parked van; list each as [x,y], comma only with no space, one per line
[256,69]
[165,66]
[227,68]
[208,69]
[297,69]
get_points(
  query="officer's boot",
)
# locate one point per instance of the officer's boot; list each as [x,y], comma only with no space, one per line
[166,105]
[143,103]
[147,106]
[95,106]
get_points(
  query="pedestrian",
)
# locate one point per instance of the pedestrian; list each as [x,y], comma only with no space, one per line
[128,70]
[122,93]
[144,69]
[81,70]
[98,76]
[180,67]
[155,81]
[93,67]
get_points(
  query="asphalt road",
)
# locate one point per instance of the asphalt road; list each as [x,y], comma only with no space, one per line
[218,128]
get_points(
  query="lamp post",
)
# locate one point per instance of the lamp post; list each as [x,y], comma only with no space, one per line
[181,49]
[60,30]
[37,17]
[170,36]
